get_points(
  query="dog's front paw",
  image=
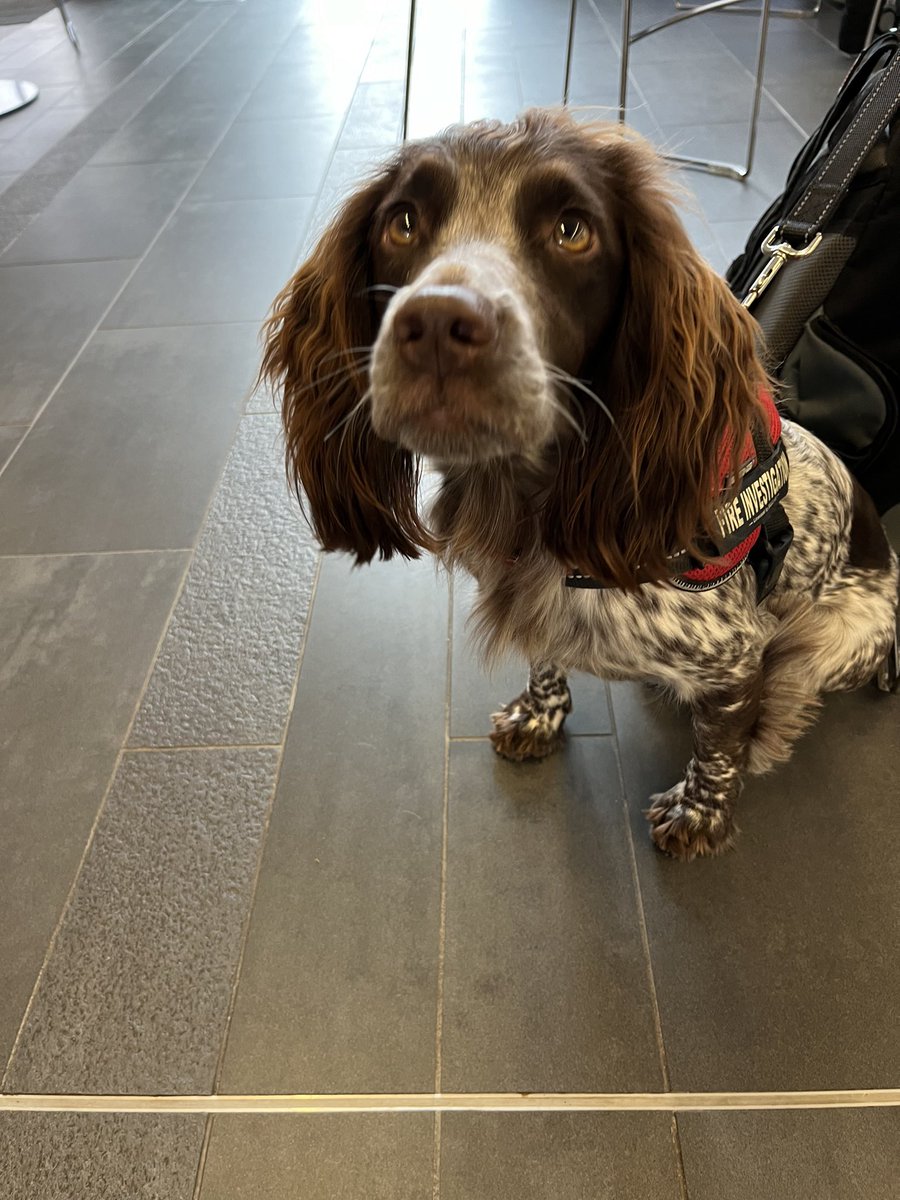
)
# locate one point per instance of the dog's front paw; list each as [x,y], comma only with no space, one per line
[524,729]
[685,828]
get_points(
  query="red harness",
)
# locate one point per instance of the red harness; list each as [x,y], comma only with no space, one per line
[753,525]
[714,573]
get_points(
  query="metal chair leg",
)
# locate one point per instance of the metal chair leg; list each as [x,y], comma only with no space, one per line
[570,45]
[877,13]
[410,45]
[67,21]
[797,14]
[713,167]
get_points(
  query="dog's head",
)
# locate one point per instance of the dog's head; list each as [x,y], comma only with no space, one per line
[521,291]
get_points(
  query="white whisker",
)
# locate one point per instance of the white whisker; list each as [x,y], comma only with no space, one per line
[364,399]
[345,372]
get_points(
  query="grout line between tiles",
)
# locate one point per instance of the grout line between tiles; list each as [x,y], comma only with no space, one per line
[446,1102]
[675,1134]
[462,74]
[442,920]
[639,903]
[182,324]
[101,553]
[570,737]
[678,1153]
[436,1161]
[185,748]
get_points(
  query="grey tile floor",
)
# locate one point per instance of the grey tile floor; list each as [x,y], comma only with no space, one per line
[253,838]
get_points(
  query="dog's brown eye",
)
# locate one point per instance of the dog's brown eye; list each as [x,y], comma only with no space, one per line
[402,227]
[573,234]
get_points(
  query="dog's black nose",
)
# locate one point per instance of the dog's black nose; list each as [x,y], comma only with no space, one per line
[444,329]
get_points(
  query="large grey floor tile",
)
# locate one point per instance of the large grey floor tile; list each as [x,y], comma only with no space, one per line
[722,199]
[18,154]
[807,95]
[498,99]
[134,995]
[436,86]
[73,1156]
[476,692]
[215,262]
[774,964]
[46,314]
[571,1156]
[732,237]
[339,983]
[216,75]
[77,636]
[169,129]
[778,144]
[289,90]
[545,985]
[335,1157]
[344,42]
[226,669]
[105,212]
[681,91]
[799,41]
[127,455]
[374,116]
[843,1154]
[347,170]
[14,124]
[269,158]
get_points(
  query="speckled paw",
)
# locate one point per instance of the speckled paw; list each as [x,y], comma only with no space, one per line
[684,829]
[521,734]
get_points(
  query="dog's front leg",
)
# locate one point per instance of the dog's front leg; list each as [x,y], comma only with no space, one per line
[696,816]
[531,726]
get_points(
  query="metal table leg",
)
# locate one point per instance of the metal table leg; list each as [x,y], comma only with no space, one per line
[730,170]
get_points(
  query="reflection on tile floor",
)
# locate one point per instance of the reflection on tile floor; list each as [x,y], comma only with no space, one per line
[254,837]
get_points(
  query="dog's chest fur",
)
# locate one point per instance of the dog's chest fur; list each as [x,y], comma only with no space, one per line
[688,641]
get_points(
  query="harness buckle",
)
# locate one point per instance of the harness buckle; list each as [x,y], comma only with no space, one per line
[778,254]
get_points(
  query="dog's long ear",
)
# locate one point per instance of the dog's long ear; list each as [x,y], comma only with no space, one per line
[682,378]
[359,491]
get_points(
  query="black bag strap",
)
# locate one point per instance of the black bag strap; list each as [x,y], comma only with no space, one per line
[831,181]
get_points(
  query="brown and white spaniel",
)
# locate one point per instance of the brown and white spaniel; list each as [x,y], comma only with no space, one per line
[520,305]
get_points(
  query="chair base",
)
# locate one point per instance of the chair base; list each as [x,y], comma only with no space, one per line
[795,14]
[15,94]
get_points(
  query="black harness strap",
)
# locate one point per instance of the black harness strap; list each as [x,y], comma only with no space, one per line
[767,556]
[756,506]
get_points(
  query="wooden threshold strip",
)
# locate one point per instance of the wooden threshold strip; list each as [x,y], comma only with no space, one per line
[458,1102]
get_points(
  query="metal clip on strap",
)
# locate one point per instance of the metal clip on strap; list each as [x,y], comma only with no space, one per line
[779,253]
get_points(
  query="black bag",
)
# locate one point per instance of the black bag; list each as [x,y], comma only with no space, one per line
[821,274]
